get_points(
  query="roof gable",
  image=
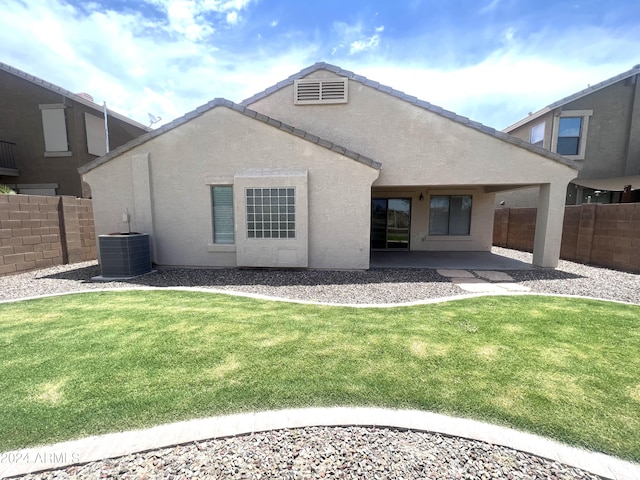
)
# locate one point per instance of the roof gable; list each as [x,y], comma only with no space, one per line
[66,93]
[414,101]
[582,93]
[221,102]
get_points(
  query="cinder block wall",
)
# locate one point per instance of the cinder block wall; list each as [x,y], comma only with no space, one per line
[606,235]
[38,231]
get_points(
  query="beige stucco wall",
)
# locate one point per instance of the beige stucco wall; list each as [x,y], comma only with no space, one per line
[210,149]
[420,240]
[419,148]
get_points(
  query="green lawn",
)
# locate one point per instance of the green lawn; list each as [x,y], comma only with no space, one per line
[98,362]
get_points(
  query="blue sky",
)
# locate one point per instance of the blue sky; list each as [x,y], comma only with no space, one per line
[491,60]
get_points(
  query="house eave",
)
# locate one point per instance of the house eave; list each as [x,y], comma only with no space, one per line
[221,102]
[582,93]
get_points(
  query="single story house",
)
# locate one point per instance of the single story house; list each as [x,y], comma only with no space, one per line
[317,171]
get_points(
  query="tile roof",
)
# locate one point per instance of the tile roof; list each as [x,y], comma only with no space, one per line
[414,101]
[66,93]
[582,93]
[221,102]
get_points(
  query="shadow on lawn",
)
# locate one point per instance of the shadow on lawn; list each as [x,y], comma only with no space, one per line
[195,277]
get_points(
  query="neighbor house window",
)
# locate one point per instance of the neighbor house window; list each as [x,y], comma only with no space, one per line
[271,212]
[222,206]
[570,133]
[54,125]
[537,135]
[450,215]
[96,135]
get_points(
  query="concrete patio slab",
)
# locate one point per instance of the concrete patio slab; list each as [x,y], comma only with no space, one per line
[454,273]
[451,260]
[477,285]
[494,276]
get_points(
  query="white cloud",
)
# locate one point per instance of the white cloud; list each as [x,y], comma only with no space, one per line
[354,36]
[169,66]
[232,18]
[368,44]
[490,7]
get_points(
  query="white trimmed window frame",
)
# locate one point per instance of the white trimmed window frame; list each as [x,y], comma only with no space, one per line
[534,132]
[319,91]
[54,127]
[585,115]
[214,247]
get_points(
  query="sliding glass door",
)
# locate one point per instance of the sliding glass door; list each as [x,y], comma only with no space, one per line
[390,221]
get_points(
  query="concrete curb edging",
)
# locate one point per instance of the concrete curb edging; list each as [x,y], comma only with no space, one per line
[259,296]
[95,448]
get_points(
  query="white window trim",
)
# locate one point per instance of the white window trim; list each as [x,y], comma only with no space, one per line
[585,114]
[220,247]
[96,135]
[544,128]
[320,82]
[57,130]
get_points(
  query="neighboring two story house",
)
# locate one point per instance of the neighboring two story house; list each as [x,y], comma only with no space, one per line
[599,128]
[47,133]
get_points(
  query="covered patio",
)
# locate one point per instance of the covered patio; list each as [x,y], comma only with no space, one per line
[447,260]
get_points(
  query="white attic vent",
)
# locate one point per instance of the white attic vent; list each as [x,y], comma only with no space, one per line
[309,92]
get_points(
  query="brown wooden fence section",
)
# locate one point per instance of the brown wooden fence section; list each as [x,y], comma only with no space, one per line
[38,231]
[607,235]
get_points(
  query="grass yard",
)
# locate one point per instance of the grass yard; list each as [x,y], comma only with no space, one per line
[92,363]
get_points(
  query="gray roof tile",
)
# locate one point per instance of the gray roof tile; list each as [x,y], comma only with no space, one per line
[575,96]
[221,102]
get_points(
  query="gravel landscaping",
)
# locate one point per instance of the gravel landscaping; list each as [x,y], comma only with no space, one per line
[327,452]
[363,287]
[350,452]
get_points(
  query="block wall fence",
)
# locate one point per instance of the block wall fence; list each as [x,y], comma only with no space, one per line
[38,231]
[607,235]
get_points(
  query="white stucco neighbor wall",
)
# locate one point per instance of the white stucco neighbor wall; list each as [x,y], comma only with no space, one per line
[183,164]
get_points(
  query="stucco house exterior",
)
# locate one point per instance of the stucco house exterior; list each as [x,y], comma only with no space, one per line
[599,128]
[47,132]
[317,171]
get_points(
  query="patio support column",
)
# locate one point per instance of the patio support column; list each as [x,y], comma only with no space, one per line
[549,221]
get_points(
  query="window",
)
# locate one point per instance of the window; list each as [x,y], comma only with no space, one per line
[96,135]
[569,135]
[320,91]
[537,135]
[54,125]
[450,215]
[271,212]
[222,206]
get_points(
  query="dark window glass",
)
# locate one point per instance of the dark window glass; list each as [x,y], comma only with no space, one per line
[569,133]
[450,215]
